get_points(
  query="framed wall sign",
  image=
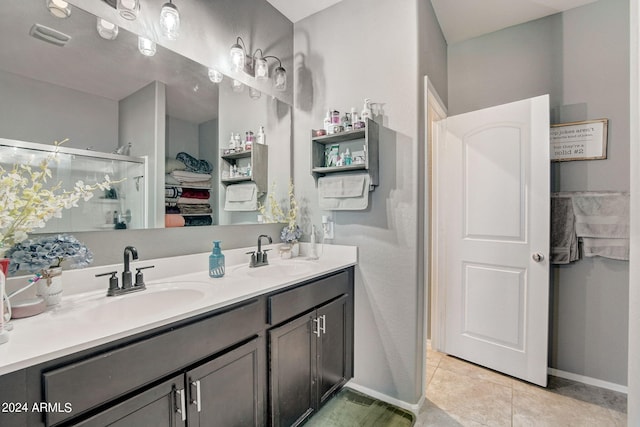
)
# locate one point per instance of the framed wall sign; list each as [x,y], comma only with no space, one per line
[579,140]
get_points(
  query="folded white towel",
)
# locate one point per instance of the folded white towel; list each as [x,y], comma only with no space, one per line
[241,197]
[344,192]
[186,176]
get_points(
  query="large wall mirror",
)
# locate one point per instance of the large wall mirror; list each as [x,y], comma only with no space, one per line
[113,103]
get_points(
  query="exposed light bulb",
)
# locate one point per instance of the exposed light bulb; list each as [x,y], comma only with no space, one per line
[146,46]
[280,79]
[237,57]
[106,29]
[237,85]
[215,76]
[254,93]
[59,8]
[261,69]
[170,21]
[128,9]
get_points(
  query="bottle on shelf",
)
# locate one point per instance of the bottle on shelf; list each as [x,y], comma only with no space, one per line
[366,110]
[261,138]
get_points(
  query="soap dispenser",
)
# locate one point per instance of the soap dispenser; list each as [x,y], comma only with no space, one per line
[216,261]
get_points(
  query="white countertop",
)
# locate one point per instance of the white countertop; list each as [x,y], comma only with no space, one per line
[177,288]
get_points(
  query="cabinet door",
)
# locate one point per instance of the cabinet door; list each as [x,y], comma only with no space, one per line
[229,390]
[334,348]
[292,366]
[160,406]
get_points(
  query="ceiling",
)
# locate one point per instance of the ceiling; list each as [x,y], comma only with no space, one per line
[459,19]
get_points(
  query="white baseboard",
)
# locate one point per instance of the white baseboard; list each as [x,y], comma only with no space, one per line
[413,407]
[587,380]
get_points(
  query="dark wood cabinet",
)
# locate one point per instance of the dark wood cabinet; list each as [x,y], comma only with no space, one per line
[310,358]
[228,391]
[160,406]
[208,370]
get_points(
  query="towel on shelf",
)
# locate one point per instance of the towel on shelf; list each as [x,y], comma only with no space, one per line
[194,209]
[191,221]
[171,209]
[194,165]
[564,242]
[172,192]
[189,201]
[186,176]
[344,192]
[241,197]
[602,222]
[174,220]
[170,180]
[195,193]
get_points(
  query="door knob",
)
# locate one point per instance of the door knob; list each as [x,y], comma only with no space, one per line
[537,257]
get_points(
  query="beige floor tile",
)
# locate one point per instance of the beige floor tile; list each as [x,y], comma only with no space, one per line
[434,357]
[462,367]
[432,416]
[542,408]
[466,398]
[430,371]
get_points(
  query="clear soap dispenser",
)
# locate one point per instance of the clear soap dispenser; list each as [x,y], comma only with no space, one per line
[216,261]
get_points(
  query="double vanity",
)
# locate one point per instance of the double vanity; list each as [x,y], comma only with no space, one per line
[260,346]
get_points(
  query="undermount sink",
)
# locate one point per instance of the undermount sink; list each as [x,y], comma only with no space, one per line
[283,269]
[157,298]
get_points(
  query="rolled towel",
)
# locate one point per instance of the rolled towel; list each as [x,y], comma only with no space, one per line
[173,220]
[193,164]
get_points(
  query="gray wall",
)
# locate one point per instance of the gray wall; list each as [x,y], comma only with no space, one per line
[43,112]
[330,75]
[581,58]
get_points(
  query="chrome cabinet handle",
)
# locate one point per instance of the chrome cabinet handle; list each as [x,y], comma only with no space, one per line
[323,328]
[180,401]
[316,326]
[197,400]
[537,257]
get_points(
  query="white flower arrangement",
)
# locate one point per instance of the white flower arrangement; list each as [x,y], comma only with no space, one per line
[27,204]
[291,232]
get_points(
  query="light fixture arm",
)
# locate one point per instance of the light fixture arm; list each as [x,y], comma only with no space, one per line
[238,41]
[274,57]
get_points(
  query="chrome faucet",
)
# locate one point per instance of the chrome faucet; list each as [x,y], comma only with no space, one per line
[259,258]
[126,274]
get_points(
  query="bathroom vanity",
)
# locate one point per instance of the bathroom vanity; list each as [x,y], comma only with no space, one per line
[258,347]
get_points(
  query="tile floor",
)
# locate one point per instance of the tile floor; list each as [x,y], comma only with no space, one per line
[463,394]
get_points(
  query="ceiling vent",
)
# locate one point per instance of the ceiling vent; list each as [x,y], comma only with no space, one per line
[49,35]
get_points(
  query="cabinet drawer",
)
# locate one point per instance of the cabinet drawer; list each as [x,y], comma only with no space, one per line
[97,380]
[287,304]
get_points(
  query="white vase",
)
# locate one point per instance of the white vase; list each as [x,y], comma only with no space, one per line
[50,286]
[295,249]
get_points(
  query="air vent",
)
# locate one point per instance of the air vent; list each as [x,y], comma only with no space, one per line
[49,35]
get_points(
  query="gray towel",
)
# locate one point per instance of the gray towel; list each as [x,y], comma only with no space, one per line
[602,222]
[564,242]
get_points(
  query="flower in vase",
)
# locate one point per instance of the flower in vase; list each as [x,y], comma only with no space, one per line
[291,234]
[34,255]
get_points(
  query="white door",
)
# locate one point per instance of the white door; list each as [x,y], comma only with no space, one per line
[493,242]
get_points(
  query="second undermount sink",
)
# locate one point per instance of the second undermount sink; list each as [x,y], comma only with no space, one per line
[280,269]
